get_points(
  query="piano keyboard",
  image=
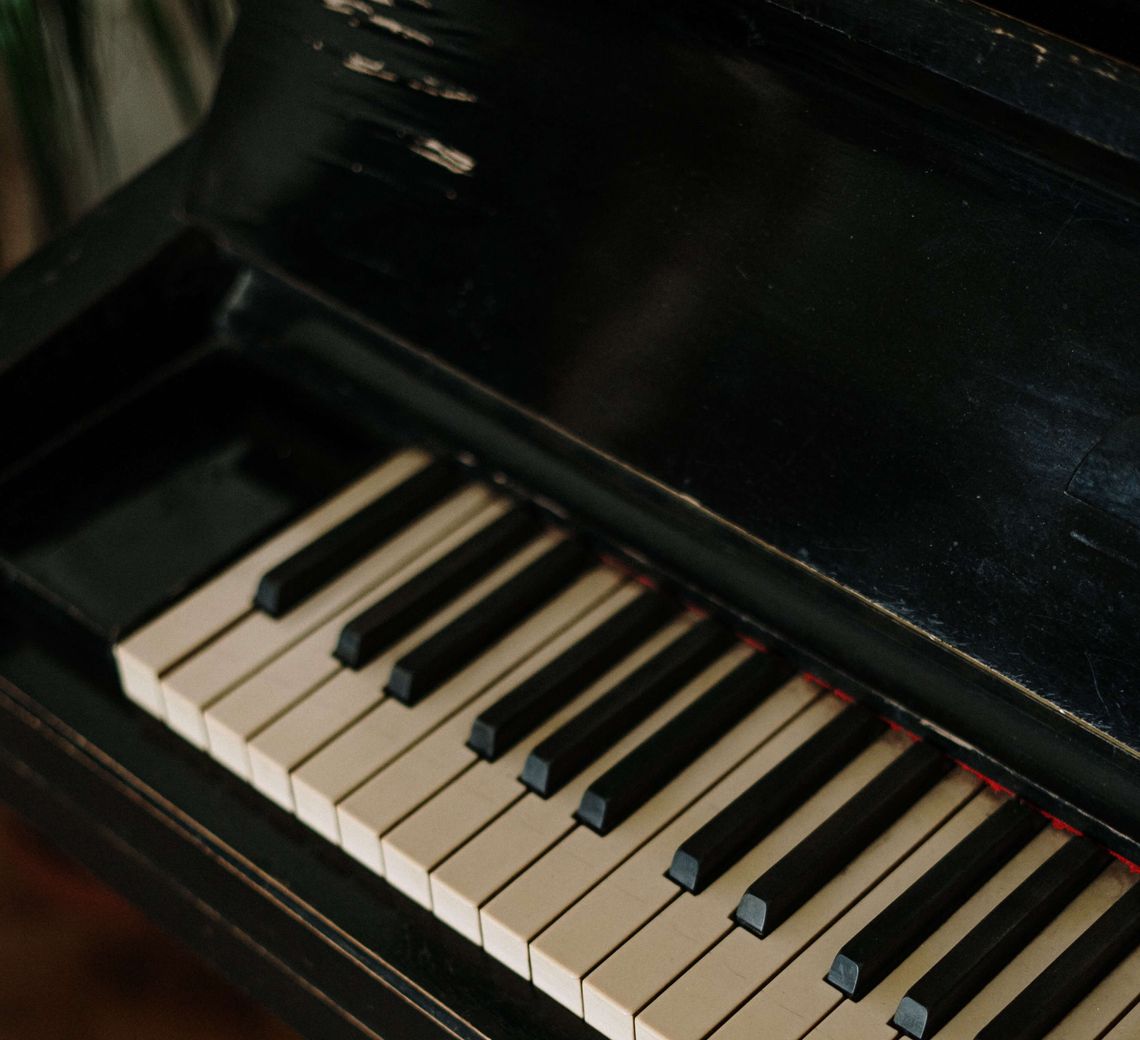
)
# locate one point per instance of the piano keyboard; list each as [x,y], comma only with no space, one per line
[667,830]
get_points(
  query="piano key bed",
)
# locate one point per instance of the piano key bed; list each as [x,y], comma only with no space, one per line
[667,829]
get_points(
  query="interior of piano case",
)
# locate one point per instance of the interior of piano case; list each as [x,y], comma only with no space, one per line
[183,467]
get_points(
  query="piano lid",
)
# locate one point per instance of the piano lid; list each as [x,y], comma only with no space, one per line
[880,313]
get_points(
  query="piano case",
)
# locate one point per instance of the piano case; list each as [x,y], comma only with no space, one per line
[823,313]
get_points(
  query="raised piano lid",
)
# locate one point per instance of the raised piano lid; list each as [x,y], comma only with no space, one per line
[841,323]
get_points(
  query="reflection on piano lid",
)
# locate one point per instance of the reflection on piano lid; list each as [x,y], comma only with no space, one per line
[649,453]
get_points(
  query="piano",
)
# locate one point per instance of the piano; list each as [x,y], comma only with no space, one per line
[573,520]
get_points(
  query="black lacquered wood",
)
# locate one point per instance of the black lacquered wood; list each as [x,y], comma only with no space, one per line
[573,746]
[1072,976]
[782,889]
[627,785]
[520,711]
[327,557]
[433,662]
[513,309]
[714,848]
[867,958]
[1000,936]
[377,628]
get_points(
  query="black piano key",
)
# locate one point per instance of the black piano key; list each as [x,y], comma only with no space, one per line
[991,944]
[1072,976]
[555,761]
[374,630]
[868,957]
[519,712]
[326,558]
[782,889]
[438,658]
[714,848]
[627,785]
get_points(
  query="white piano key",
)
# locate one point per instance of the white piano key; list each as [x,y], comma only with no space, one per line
[580,860]
[1105,1005]
[321,715]
[615,991]
[463,808]
[792,1003]
[252,705]
[466,880]
[158,646]
[870,1016]
[1128,1028]
[741,963]
[1119,988]
[390,728]
[257,639]
[428,767]
[616,908]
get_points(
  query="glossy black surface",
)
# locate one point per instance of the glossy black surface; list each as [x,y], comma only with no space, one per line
[426,667]
[1072,976]
[323,560]
[850,317]
[556,759]
[632,781]
[379,626]
[977,958]
[899,929]
[800,873]
[522,710]
[711,850]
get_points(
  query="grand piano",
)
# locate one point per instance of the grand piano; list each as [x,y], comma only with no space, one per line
[561,520]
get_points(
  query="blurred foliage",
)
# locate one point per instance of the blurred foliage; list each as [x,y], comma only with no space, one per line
[55,58]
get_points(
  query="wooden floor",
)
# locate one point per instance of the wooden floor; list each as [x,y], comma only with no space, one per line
[76,962]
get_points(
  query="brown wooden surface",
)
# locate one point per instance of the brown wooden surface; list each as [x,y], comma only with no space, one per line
[78,962]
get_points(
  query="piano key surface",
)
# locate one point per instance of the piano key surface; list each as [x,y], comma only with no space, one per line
[1003,933]
[637,890]
[324,712]
[381,735]
[741,963]
[867,958]
[240,650]
[456,814]
[629,979]
[870,1015]
[602,790]
[799,997]
[583,858]
[242,714]
[1032,962]
[490,860]
[158,646]
[1128,1028]
[336,550]
[369,814]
